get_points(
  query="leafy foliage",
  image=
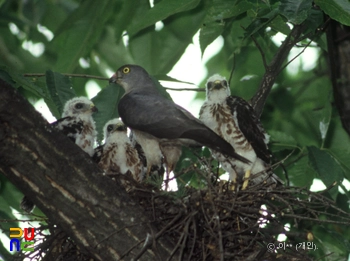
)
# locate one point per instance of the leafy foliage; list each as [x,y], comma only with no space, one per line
[95,38]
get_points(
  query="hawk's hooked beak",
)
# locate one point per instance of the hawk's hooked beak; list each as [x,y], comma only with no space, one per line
[115,77]
[93,108]
[218,85]
[121,127]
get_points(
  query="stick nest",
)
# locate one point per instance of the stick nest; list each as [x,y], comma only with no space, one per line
[221,223]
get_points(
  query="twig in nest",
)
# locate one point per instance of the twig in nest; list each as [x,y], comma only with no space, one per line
[146,246]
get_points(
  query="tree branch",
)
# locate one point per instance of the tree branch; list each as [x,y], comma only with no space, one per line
[67,186]
[273,69]
[338,42]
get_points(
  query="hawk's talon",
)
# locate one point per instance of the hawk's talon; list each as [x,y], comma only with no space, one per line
[246,179]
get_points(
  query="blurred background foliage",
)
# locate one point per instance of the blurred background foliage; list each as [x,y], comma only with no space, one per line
[56,37]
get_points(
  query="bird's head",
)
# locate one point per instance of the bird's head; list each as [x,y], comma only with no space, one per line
[114,126]
[78,106]
[130,77]
[217,87]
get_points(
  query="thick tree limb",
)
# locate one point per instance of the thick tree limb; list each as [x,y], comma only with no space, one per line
[273,69]
[68,187]
[338,40]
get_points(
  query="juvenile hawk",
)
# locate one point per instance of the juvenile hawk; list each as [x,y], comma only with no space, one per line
[77,123]
[234,119]
[144,109]
[149,153]
[118,155]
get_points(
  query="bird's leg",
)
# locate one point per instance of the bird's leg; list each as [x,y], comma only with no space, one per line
[233,183]
[246,179]
[233,179]
[149,169]
[168,170]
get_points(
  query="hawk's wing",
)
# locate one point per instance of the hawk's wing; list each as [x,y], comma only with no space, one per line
[69,127]
[98,151]
[155,115]
[148,111]
[250,126]
[138,148]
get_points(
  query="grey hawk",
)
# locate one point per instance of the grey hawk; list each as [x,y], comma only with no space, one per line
[117,155]
[233,119]
[155,118]
[78,125]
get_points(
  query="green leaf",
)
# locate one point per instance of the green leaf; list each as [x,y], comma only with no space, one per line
[209,33]
[300,174]
[79,33]
[190,177]
[59,91]
[164,77]
[314,20]
[326,167]
[106,101]
[223,9]
[112,54]
[332,240]
[338,10]
[165,47]
[214,24]
[10,198]
[126,15]
[280,25]
[261,22]
[160,11]
[325,119]
[17,80]
[282,141]
[4,250]
[342,156]
[296,11]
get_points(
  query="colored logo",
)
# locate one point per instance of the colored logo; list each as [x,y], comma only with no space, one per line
[25,245]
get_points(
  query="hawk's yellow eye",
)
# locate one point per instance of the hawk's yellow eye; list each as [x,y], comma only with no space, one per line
[126,70]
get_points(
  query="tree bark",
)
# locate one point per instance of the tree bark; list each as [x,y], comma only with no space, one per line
[338,40]
[69,187]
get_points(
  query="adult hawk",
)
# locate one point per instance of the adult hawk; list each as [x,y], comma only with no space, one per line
[155,118]
[234,119]
[78,125]
[117,155]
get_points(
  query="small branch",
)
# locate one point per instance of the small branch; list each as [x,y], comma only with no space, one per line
[302,51]
[315,220]
[69,75]
[261,52]
[186,89]
[107,79]
[272,70]
[233,69]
